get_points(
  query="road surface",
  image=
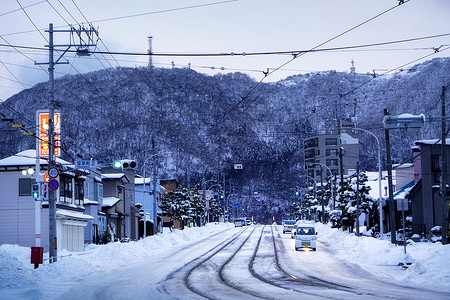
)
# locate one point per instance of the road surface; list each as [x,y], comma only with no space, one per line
[252,262]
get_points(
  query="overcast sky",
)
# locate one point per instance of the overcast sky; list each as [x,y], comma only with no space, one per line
[221,26]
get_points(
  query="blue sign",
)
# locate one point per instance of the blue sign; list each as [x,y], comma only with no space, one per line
[53,184]
[236,205]
[85,164]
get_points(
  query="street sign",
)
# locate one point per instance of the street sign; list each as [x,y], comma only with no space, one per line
[236,205]
[53,184]
[402,204]
[53,172]
[86,164]
[238,166]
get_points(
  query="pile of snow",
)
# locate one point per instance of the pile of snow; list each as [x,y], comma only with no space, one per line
[430,261]
[17,272]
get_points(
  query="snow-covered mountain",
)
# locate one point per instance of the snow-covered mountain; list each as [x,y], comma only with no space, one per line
[204,124]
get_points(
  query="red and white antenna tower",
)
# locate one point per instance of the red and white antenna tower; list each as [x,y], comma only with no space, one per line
[150,61]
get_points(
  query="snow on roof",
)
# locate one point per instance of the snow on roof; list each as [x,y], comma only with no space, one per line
[75,215]
[27,158]
[403,166]
[110,201]
[140,180]
[87,201]
[348,139]
[432,142]
[113,175]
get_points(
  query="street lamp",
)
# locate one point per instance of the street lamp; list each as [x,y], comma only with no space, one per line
[144,200]
[380,197]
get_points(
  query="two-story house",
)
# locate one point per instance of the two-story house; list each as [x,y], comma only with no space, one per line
[426,199]
[93,200]
[19,212]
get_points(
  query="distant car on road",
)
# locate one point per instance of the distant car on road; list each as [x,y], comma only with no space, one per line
[239,223]
[288,225]
[305,237]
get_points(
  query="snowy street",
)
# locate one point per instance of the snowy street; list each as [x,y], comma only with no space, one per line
[220,262]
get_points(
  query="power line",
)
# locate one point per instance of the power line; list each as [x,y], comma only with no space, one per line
[295,56]
[29,18]
[295,53]
[134,15]
[19,9]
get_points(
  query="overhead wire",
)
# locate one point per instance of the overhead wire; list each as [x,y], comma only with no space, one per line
[297,55]
[32,22]
[19,9]
[132,16]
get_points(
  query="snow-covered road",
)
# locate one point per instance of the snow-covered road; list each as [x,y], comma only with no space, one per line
[217,262]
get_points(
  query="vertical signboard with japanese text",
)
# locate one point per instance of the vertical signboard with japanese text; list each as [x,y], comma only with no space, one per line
[43,118]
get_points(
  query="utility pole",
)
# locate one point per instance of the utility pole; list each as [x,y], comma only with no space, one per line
[224,197]
[154,180]
[341,156]
[341,163]
[391,188]
[53,252]
[357,199]
[82,49]
[321,196]
[445,202]
[204,191]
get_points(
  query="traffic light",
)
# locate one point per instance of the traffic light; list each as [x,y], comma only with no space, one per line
[35,191]
[125,164]
[44,191]
[128,164]
[296,191]
[117,164]
[221,195]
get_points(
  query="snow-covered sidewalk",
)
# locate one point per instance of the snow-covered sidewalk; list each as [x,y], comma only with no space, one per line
[431,261]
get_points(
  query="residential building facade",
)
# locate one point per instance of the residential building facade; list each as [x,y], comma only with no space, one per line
[328,149]
[428,208]
[18,209]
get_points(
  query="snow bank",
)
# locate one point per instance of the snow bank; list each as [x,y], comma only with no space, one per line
[17,272]
[430,261]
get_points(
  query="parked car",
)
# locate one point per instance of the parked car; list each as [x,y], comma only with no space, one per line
[288,225]
[239,223]
[305,237]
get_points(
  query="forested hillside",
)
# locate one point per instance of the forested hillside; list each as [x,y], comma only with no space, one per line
[204,124]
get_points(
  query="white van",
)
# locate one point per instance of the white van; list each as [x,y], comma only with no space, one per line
[288,225]
[305,237]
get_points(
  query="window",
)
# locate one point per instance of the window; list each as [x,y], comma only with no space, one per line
[66,187]
[436,168]
[79,192]
[331,152]
[330,141]
[332,162]
[86,189]
[311,143]
[309,153]
[100,190]
[25,186]
[121,193]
